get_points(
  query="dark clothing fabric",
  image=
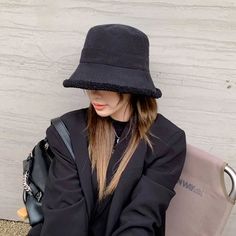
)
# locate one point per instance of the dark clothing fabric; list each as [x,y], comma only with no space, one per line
[138,205]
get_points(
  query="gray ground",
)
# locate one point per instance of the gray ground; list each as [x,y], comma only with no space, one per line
[13,228]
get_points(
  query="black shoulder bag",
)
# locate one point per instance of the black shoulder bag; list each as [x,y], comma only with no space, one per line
[35,172]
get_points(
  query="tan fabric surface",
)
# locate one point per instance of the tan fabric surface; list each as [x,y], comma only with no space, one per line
[201,205]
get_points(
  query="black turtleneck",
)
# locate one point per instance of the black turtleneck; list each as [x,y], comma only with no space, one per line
[118,125]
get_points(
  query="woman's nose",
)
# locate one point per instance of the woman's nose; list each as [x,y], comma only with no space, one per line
[91,92]
[95,93]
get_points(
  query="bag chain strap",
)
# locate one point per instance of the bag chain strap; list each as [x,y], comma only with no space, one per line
[25,179]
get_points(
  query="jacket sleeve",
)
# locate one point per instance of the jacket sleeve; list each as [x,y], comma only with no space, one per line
[145,213]
[63,203]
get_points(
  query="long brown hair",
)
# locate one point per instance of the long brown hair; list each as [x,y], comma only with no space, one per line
[101,139]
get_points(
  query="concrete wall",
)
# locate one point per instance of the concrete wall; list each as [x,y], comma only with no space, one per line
[192,60]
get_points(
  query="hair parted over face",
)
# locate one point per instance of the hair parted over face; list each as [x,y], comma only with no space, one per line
[109,103]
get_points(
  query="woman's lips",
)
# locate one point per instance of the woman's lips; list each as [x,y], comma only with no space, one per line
[98,106]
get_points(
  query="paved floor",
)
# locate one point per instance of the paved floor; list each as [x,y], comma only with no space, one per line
[13,228]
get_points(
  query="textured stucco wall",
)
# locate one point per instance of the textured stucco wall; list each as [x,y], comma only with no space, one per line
[192,60]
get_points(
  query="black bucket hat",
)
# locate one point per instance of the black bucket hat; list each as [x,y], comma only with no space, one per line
[115,57]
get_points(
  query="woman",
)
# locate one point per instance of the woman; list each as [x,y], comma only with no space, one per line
[128,156]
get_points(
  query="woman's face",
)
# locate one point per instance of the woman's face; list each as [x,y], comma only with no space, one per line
[106,103]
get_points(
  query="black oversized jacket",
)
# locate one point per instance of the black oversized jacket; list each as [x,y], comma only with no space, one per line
[139,203]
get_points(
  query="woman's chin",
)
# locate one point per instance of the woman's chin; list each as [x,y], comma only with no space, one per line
[102,113]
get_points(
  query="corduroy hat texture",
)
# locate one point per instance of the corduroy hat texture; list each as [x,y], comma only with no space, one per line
[115,57]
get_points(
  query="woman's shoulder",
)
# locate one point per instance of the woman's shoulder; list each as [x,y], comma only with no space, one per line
[72,118]
[166,130]
[168,142]
[74,115]
[74,121]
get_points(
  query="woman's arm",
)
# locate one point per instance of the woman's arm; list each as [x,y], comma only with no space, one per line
[63,203]
[145,213]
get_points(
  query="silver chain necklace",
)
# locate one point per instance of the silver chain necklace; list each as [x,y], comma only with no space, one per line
[118,138]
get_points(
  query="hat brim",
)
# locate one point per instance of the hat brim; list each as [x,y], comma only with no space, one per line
[112,78]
